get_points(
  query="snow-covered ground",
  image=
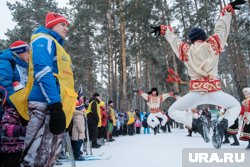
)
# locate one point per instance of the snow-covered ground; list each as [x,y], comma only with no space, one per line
[148,150]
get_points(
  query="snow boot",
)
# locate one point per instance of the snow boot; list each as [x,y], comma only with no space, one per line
[189,133]
[200,125]
[218,132]
[155,130]
[226,141]
[236,142]
[80,158]
[58,162]
[248,147]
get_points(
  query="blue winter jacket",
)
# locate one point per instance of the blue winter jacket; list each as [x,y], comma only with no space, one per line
[8,70]
[46,87]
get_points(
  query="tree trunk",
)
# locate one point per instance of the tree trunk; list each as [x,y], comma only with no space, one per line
[124,100]
[240,69]
[110,53]
[115,59]
[146,81]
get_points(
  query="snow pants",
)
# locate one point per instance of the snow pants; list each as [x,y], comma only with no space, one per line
[42,148]
[153,120]
[180,113]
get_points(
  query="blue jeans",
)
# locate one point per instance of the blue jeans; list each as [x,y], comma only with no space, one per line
[146,130]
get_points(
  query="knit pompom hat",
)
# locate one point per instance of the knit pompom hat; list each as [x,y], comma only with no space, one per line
[19,47]
[53,18]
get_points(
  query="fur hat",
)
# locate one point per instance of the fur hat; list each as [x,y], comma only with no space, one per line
[196,34]
[96,94]
[246,91]
[154,89]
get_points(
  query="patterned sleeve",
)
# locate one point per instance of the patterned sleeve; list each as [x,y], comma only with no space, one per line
[221,31]
[179,47]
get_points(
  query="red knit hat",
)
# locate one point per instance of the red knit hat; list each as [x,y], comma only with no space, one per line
[19,47]
[53,18]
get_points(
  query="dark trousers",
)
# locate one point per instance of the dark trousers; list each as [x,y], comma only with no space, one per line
[138,130]
[10,159]
[76,146]
[125,129]
[168,126]
[115,133]
[131,129]
[102,132]
[93,132]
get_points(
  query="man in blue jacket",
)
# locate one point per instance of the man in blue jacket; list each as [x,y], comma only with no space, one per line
[47,122]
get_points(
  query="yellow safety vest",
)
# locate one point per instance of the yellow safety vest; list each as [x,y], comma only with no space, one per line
[112,114]
[66,82]
[98,112]
[131,117]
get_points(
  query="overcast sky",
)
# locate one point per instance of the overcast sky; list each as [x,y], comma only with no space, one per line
[6,17]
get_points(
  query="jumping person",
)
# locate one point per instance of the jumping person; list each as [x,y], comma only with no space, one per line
[201,59]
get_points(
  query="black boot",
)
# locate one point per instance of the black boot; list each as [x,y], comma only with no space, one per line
[155,130]
[74,147]
[248,147]
[189,133]
[218,132]
[95,145]
[200,125]
[236,142]
[226,138]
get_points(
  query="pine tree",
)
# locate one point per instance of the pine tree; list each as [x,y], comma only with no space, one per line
[29,14]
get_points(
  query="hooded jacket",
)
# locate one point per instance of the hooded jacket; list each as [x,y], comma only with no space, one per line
[8,70]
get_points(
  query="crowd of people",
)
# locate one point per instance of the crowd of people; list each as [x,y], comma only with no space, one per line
[39,105]
[104,123]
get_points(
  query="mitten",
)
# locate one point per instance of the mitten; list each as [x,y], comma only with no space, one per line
[57,122]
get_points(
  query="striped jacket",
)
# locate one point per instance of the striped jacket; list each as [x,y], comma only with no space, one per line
[45,88]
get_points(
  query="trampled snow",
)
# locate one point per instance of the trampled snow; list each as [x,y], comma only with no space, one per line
[148,150]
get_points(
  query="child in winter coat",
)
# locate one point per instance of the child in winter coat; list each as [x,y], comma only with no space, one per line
[78,129]
[13,126]
[138,125]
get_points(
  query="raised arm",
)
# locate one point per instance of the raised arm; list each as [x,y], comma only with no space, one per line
[143,95]
[179,47]
[221,30]
[166,95]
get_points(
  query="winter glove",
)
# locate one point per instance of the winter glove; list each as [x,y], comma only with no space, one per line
[156,29]
[57,122]
[236,3]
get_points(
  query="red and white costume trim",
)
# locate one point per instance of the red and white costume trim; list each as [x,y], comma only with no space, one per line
[201,59]
[154,103]
[245,118]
